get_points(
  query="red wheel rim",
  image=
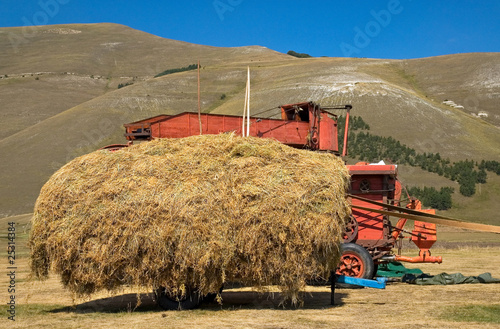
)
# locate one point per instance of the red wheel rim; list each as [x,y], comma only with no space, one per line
[351,265]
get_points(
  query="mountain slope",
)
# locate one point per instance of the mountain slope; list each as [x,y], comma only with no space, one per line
[108,50]
[48,69]
[471,81]
[384,92]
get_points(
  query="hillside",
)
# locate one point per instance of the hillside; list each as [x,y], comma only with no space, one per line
[109,50]
[470,81]
[62,115]
[53,68]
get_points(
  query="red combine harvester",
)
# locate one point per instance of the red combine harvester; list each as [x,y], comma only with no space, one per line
[370,237]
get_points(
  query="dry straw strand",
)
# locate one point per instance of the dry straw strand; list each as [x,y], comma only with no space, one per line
[192,212]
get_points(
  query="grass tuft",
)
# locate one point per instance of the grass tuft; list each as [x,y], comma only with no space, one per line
[473,313]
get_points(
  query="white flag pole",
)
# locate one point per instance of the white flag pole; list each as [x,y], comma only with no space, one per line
[248,102]
[244,113]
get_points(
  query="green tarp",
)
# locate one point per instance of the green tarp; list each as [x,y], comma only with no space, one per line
[445,278]
[395,270]
[416,276]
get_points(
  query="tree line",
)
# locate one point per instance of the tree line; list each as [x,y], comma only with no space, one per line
[431,197]
[298,55]
[368,147]
[180,69]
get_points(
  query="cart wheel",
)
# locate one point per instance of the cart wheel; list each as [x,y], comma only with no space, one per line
[212,296]
[192,299]
[351,230]
[356,262]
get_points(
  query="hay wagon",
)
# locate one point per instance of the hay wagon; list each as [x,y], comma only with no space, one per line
[375,193]
[198,205]
[370,237]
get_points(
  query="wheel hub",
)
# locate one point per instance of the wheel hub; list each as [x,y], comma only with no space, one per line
[351,265]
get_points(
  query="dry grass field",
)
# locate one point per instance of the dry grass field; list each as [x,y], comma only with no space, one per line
[47,305]
[62,104]
[58,105]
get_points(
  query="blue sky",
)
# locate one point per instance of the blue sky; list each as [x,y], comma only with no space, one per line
[375,29]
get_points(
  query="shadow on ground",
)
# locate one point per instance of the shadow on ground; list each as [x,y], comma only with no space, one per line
[231,299]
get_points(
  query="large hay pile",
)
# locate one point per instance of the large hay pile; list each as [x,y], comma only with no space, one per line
[192,212]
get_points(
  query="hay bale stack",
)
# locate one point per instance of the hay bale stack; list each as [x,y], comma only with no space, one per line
[191,212]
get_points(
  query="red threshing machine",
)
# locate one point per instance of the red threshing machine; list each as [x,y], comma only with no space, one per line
[370,237]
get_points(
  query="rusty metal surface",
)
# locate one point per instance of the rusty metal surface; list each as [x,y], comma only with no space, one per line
[302,125]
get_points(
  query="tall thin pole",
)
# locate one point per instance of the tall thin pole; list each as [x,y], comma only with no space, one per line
[199,100]
[248,102]
[244,111]
[346,132]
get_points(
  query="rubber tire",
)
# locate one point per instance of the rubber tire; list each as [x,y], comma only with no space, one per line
[191,301]
[362,259]
[212,296]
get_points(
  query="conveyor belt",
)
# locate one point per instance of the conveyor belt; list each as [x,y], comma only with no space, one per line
[422,216]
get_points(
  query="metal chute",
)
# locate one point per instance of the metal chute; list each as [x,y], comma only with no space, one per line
[422,216]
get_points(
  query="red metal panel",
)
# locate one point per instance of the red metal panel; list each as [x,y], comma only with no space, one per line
[424,234]
[372,169]
[155,130]
[376,182]
[293,133]
[287,132]
[174,127]
[370,224]
[328,134]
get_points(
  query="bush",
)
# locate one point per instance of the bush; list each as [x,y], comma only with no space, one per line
[299,55]
[181,69]
[121,85]
[430,197]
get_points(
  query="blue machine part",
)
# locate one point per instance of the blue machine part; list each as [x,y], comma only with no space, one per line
[379,283]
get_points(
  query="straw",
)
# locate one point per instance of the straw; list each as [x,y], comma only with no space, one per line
[193,212]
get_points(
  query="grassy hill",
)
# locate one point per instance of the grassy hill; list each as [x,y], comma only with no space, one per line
[54,68]
[74,107]
[471,81]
